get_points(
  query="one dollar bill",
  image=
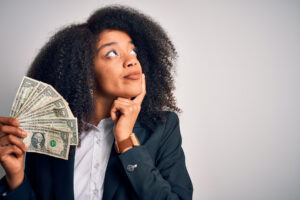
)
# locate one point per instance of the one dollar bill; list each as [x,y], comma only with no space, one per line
[46,117]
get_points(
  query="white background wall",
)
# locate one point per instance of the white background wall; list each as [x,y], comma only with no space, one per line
[237,83]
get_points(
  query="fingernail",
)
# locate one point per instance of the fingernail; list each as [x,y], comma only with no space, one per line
[24,133]
[16,122]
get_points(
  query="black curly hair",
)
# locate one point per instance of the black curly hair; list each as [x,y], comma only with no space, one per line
[66,62]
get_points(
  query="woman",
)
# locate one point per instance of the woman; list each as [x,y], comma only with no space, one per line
[115,71]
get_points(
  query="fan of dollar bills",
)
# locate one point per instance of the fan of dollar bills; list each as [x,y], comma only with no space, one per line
[46,117]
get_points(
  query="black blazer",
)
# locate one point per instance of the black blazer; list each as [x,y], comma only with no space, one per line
[160,173]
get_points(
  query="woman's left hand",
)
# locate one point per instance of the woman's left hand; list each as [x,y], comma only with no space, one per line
[129,111]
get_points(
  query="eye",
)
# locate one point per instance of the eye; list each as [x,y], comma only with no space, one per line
[133,51]
[111,53]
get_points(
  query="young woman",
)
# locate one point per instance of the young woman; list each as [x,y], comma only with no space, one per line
[115,71]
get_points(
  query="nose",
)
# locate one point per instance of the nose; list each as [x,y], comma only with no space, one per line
[130,62]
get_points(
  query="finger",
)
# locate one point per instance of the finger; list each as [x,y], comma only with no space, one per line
[113,114]
[118,107]
[11,139]
[124,102]
[9,150]
[4,129]
[124,99]
[9,121]
[127,106]
[138,99]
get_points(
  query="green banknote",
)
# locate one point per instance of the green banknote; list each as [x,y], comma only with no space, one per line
[46,117]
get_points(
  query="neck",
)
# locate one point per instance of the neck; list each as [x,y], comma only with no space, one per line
[102,107]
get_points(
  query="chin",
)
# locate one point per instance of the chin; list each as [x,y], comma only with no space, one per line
[132,93]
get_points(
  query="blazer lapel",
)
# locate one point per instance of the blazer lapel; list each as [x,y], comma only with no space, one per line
[63,172]
[114,172]
[112,175]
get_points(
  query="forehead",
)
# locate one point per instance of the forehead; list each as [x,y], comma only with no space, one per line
[37,134]
[113,36]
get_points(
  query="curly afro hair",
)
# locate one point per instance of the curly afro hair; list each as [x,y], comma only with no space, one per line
[66,62]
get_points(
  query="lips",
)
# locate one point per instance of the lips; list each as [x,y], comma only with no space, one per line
[133,75]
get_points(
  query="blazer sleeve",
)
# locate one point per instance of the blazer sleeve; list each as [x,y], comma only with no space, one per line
[165,178]
[24,191]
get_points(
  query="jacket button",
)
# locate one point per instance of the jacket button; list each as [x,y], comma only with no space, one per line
[130,168]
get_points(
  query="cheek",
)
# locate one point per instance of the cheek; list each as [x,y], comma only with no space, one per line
[100,69]
[107,76]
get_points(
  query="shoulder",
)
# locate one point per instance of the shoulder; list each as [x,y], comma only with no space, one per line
[161,132]
[170,139]
[171,132]
[172,118]
[167,133]
[168,118]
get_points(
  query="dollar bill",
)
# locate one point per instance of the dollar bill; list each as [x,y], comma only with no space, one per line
[48,114]
[46,95]
[46,140]
[57,123]
[25,89]
[36,91]
[46,117]
[55,104]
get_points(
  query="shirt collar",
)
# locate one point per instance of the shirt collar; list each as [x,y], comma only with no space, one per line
[104,127]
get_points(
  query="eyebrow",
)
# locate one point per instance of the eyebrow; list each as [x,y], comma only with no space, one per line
[109,44]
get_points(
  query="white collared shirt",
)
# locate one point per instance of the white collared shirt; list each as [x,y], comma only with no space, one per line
[91,160]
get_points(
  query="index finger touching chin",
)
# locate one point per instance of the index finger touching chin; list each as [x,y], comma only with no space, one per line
[140,97]
[143,84]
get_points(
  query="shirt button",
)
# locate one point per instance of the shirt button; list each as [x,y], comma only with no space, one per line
[130,168]
[95,191]
[98,141]
[96,165]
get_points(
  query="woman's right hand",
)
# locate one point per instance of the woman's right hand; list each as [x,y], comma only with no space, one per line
[12,151]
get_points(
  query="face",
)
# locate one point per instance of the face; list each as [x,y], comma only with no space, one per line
[116,58]
[38,137]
